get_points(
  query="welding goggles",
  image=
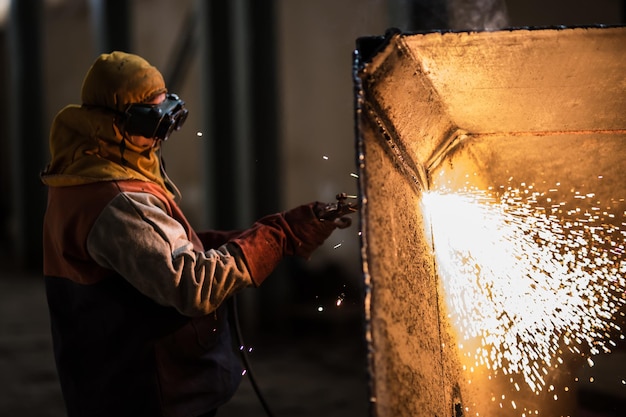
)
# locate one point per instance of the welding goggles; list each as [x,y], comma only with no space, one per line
[156,120]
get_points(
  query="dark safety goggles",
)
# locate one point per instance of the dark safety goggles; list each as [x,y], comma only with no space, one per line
[156,121]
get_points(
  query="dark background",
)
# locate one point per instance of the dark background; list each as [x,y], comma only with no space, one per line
[269,87]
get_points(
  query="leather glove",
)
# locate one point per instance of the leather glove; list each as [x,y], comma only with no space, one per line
[308,230]
[295,232]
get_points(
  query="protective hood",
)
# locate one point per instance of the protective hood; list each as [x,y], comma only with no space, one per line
[85,143]
[119,79]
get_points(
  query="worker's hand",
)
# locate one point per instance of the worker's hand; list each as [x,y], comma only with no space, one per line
[308,230]
[336,211]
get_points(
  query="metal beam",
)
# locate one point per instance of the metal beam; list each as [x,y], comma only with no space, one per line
[28,139]
[265,101]
[225,44]
[111,22]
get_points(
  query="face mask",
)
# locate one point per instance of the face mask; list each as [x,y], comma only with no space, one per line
[156,121]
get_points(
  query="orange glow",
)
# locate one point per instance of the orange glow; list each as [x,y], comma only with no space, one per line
[526,278]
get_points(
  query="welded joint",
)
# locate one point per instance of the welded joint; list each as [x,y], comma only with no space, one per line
[441,152]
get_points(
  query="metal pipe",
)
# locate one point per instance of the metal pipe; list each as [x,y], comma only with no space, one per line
[111,22]
[223,177]
[27,136]
[265,102]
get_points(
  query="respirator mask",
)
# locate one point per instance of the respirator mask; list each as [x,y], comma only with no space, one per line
[156,121]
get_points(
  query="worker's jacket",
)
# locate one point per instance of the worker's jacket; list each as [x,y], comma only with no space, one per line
[133,293]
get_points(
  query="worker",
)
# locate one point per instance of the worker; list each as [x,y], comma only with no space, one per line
[136,296]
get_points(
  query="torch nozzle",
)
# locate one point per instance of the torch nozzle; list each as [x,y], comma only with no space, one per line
[338,209]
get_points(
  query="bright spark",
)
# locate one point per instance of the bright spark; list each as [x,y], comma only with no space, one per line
[521,280]
[340,299]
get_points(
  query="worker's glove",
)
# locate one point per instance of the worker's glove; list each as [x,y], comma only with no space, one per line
[308,230]
[295,232]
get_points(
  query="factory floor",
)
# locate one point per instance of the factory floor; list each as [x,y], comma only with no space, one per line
[316,371]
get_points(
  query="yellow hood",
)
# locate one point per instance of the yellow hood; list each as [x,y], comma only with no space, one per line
[85,143]
[85,148]
[118,79]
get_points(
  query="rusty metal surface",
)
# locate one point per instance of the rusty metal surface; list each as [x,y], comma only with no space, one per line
[526,80]
[476,110]
[406,354]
